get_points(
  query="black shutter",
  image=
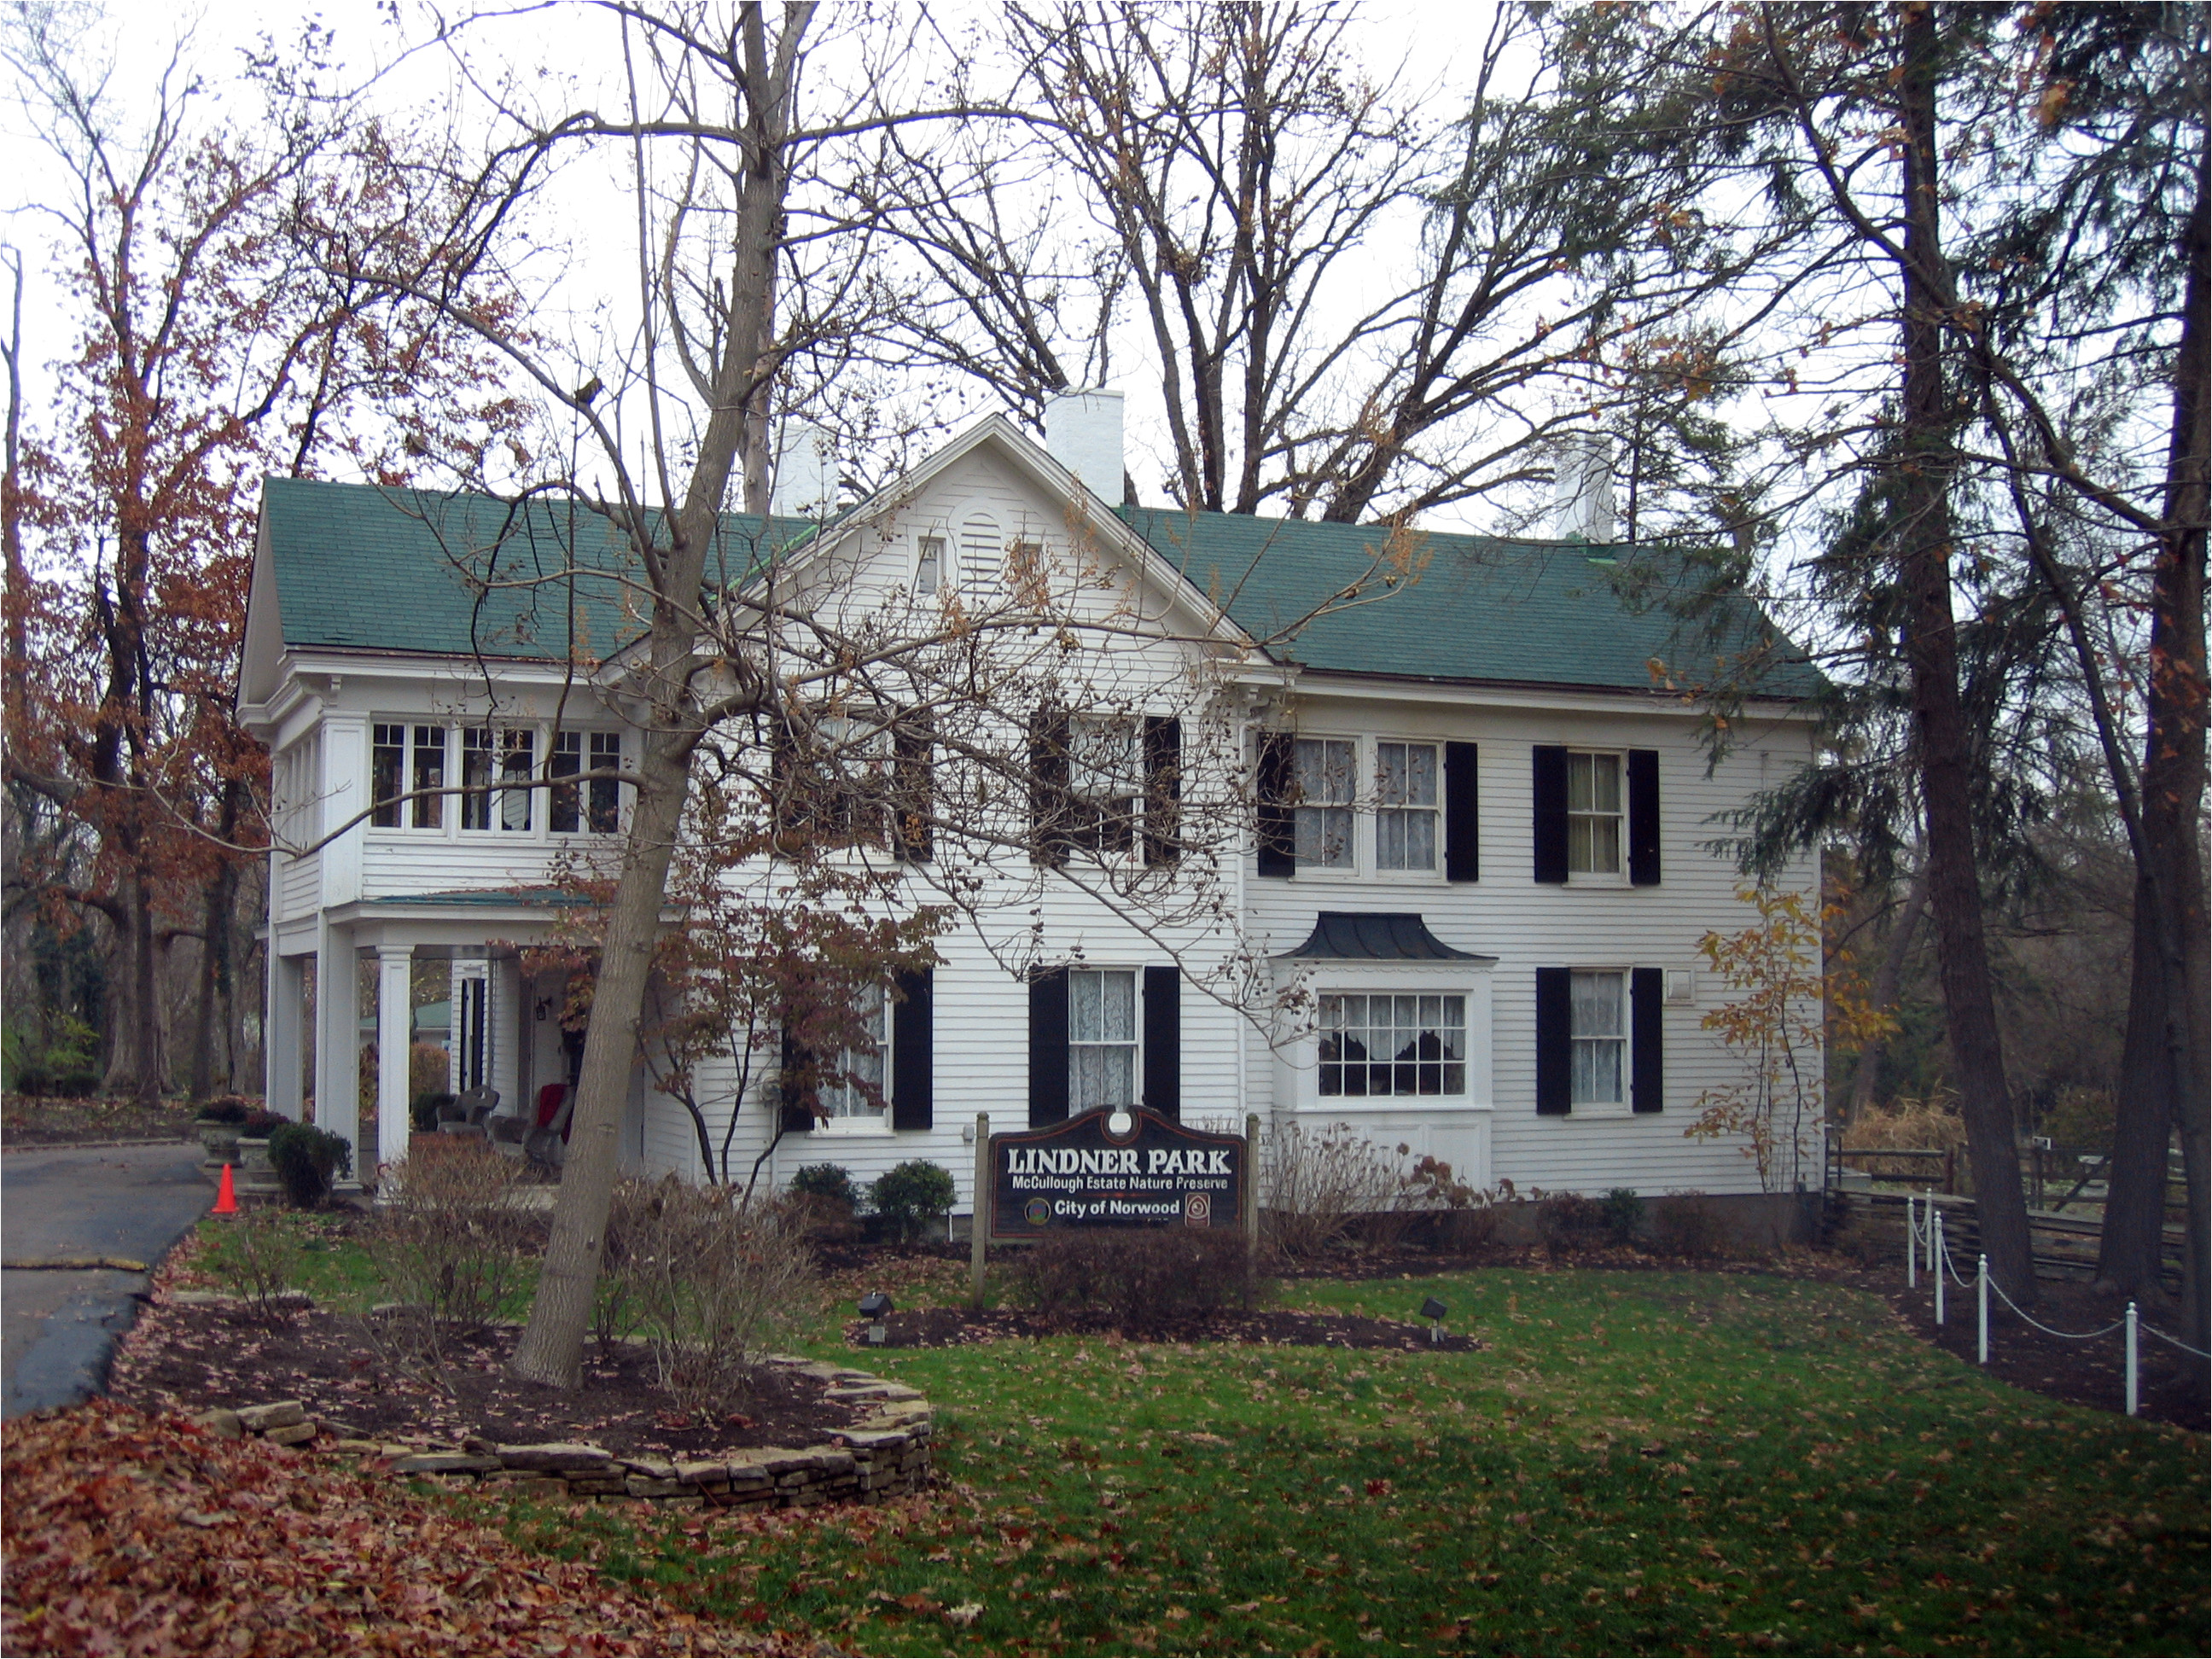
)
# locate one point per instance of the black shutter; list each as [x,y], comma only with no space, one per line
[1048,787]
[1164,1041]
[1555,1093]
[912,806]
[1647,1067]
[1162,789]
[1463,821]
[913,1051]
[1643,818]
[1048,1048]
[1549,778]
[797,1098]
[1277,818]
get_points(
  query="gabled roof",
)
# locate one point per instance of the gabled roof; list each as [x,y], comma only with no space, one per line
[1467,608]
[364,567]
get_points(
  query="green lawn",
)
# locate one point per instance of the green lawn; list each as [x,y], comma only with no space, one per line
[1672,1462]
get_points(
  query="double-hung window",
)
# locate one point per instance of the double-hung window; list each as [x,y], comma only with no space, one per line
[868,1063]
[1102,1038]
[1105,775]
[1405,806]
[1593,814]
[1599,1037]
[1393,1045]
[1327,780]
[391,744]
[596,804]
[491,758]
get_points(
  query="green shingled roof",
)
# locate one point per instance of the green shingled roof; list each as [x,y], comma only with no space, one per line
[1469,607]
[371,569]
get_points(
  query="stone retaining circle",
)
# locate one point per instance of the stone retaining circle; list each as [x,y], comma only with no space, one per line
[885,1454]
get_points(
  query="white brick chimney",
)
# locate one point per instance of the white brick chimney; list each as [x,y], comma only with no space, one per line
[1083,433]
[805,476]
[1581,488]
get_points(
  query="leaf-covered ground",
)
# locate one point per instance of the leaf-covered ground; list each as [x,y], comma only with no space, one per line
[125,1533]
[1655,1463]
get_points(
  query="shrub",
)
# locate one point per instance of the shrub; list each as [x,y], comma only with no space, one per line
[58,1056]
[1928,1123]
[260,1123]
[1688,1225]
[1621,1212]
[1143,1277]
[256,1258]
[1316,1184]
[428,1068]
[226,1109]
[713,1278]
[449,1230]
[422,1115]
[832,1181]
[1566,1221]
[911,1195]
[305,1158]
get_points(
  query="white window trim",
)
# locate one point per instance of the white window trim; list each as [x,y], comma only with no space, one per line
[1298,1061]
[450,828]
[1625,1106]
[1601,879]
[1137,1006]
[1366,765]
[876,1125]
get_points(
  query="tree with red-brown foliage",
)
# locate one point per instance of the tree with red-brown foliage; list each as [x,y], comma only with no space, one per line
[209,266]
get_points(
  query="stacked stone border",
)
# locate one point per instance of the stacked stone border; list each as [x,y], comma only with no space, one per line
[885,1454]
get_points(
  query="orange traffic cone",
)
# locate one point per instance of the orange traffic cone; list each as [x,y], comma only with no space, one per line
[226,1200]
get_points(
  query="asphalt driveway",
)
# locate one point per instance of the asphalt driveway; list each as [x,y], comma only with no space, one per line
[58,1329]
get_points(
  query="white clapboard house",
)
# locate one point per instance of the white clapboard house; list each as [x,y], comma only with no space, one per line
[1474,839]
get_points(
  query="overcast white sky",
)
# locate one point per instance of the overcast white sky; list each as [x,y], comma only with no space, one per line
[1418,44]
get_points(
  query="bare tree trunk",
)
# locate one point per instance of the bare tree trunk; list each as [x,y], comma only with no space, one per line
[551,1349]
[1945,743]
[1867,1078]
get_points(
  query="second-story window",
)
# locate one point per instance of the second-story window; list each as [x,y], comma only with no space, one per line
[929,564]
[595,805]
[1327,778]
[1593,814]
[1405,806]
[387,774]
[491,758]
[1104,777]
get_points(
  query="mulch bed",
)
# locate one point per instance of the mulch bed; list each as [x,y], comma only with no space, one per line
[28,1120]
[191,1357]
[939,1327]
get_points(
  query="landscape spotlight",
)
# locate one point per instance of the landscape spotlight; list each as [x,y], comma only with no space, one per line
[1433,1311]
[875,1308]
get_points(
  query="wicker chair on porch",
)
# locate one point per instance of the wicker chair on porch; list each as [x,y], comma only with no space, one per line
[468,1113]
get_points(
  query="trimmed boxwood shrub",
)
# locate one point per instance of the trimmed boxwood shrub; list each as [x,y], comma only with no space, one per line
[906,1198]
[305,1159]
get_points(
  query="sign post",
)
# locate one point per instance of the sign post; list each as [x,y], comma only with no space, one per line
[978,1224]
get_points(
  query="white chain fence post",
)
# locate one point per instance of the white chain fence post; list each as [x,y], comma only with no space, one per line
[1982,1312]
[1911,1243]
[2131,1360]
[1928,1229]
[1936,1265]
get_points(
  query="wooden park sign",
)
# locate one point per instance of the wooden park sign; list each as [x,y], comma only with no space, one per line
[1129,1168]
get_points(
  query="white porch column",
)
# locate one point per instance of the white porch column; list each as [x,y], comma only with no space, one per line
[338,1045]
[288,994]
[395,1037]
